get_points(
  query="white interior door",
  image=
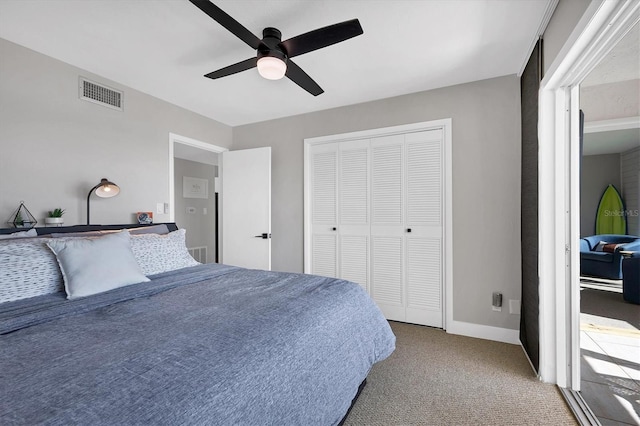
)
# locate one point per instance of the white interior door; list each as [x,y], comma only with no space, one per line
[324,220]
[246,208]
[423,227]
[387,230]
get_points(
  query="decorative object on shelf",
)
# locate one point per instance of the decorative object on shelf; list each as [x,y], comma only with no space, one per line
[105,189]
[55,217]
[22,218]
[144,218]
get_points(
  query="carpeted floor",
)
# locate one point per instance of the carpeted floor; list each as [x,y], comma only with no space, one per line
[435,378]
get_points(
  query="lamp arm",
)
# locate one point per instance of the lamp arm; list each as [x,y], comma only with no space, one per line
[89,197]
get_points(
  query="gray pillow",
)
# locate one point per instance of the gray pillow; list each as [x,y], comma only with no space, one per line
[95,265]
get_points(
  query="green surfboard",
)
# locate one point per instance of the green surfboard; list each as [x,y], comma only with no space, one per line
[610,217]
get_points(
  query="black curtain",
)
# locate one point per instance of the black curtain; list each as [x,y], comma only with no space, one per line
[530,302]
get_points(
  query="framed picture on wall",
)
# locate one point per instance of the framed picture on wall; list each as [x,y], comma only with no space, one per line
[195,187]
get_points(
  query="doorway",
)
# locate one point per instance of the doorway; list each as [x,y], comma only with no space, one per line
[603,25]
[609,325]
[193,194]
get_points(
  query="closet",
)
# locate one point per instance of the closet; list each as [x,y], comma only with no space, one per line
[375,217]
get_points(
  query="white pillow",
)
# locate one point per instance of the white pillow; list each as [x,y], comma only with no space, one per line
[27,269]
[96,265]
[161,253]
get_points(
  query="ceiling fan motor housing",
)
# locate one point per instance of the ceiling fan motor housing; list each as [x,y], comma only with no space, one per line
[270,45]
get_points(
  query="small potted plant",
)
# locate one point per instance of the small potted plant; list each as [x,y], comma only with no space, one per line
[55,217]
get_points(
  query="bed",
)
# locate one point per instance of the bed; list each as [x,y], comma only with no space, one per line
[200,344]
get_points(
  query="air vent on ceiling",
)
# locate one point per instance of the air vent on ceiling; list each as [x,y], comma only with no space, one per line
[100,94]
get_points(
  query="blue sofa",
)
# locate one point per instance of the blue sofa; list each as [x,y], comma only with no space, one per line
[631,279]
[602,264]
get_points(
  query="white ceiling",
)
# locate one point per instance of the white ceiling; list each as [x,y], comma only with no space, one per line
[611,142]
[621,66]
[164,47]
[187,152]
[622,63]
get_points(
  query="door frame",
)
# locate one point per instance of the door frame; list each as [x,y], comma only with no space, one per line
[601,27]
[447,216]
[194,143]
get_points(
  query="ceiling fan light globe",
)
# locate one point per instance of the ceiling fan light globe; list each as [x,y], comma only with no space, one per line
[271,68]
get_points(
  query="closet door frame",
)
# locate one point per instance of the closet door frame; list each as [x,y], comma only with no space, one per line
[447,214]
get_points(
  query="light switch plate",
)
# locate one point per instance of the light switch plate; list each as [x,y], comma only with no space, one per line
[159,208]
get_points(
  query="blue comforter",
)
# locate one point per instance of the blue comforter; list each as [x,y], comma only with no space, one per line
[210,344]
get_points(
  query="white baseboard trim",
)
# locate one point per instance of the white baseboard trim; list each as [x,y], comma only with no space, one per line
[505,335]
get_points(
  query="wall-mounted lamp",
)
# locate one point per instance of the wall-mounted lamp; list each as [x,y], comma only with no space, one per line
[104,189]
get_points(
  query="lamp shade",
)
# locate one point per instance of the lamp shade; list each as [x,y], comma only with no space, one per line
[271,68]
[106,189]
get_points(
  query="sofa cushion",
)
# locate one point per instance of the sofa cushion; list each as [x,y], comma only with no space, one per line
[598,256]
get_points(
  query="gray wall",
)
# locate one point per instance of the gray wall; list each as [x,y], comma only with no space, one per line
[55,147]
[486,182]
[562,23]
[200,226]
[596,173]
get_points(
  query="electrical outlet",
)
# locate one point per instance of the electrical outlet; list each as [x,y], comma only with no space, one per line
[496,301]
[191,210]
[166,208]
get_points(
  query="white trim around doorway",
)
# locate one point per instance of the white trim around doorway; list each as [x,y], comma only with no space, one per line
[602,26]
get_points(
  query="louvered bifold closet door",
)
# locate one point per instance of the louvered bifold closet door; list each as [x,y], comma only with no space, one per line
[353,211]
[324,204]
[423,227]
[387,233]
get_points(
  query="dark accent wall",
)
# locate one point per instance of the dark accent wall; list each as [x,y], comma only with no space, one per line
[529,315]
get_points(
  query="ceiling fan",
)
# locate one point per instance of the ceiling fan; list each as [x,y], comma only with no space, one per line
[273,58]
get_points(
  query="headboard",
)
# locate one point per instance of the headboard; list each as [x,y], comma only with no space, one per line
[85,228]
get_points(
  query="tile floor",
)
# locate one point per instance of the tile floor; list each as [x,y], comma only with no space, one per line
[610,361]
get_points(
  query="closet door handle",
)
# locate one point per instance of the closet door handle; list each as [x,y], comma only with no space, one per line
[334,229]
[408,229]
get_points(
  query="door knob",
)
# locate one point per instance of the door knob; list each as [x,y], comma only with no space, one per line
[408,229]
[264,236]
[334,229]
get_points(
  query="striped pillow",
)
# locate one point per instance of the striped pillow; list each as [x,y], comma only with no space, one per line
[28,269]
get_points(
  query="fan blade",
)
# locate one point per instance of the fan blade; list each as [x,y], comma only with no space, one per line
[235,68]
[322,37]
[302,79]
[228,22]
